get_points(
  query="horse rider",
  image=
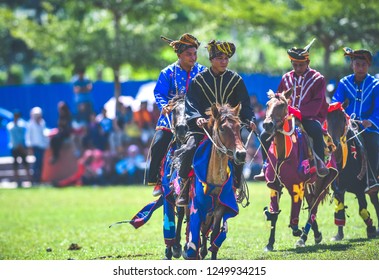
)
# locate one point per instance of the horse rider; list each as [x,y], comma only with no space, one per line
[173,80]
[216,84]
[362,91]
[308,98]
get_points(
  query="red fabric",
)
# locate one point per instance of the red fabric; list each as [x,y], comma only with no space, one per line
[294,111]
[335,106]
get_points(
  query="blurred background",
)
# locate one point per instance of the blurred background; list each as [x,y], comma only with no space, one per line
[116,43]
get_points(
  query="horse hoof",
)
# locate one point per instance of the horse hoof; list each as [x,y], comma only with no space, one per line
[176,251]
[296,232]
[371,232]
[203,253]
[318,238]
[269,248]
[337,237]
[168,254]
[300,243]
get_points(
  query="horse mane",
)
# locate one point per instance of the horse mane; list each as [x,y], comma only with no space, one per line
[225,111]
[176,98]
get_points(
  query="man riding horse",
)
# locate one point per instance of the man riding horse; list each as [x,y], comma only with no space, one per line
[362,91]
[173,80]
[214,85]
[309,98]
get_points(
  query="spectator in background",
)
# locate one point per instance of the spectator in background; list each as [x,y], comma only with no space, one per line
[16,131]
[36,141]
[131,168]
[105,128]
[63,131]
[83,94]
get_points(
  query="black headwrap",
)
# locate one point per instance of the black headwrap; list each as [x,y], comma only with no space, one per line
[216,48]
[360,54]
[300,55]
[185,41]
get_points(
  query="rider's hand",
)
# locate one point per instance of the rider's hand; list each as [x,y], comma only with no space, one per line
[366,123]
[166,110]
[201,122]
[253,126]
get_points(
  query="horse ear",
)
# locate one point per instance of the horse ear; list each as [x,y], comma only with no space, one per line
[237,109]
[215,111]
[270,94]
[345,103]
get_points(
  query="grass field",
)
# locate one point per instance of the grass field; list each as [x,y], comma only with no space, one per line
[40,223]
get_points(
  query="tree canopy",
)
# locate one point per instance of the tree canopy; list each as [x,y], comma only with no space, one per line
[120,40]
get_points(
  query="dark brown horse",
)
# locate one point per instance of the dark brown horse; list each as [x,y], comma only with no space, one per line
[351,159]
[174,215]
[213,199]
[290,165]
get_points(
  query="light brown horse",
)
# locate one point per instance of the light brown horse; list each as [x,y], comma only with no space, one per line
[213,196]
[289,165]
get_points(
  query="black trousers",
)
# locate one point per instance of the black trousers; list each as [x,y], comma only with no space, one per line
[313,129]
[159,148]
[371,142]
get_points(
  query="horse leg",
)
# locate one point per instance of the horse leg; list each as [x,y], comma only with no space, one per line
[317,234]
[375,201]
[168,253]
[176,248]
[205,229]
[272,216]
[365,215]
[219,213]
[339,214]
[296,202]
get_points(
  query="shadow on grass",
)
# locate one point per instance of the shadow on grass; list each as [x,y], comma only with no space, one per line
[340,246]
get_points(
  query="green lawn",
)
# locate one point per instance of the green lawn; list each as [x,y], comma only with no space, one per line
[40,223]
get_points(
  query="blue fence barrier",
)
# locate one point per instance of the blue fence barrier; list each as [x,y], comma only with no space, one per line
[47,96]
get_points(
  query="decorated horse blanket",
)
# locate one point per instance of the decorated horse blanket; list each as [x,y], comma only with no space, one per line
[170,183]
[204,199]
[296,167]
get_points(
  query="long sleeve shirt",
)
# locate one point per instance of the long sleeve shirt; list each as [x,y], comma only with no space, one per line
[308,95]
[207,89]
[363,99]
[172,81]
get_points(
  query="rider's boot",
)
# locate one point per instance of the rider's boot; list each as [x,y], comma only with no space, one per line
[157,191]
[183,197]
[261,176]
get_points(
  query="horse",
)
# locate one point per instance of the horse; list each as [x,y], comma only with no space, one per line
[290,165]
[212,195]
[170,181]
[351,159]
[173,216]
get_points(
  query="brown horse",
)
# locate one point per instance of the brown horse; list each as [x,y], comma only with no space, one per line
[213,198]
[351,159]
[290,165]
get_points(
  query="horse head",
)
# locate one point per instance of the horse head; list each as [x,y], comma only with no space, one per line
[276,111]
[179,122]
[225,125]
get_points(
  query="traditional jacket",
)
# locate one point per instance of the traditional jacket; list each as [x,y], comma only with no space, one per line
[207,89]
[173,80]
[363,99]
[309,94]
